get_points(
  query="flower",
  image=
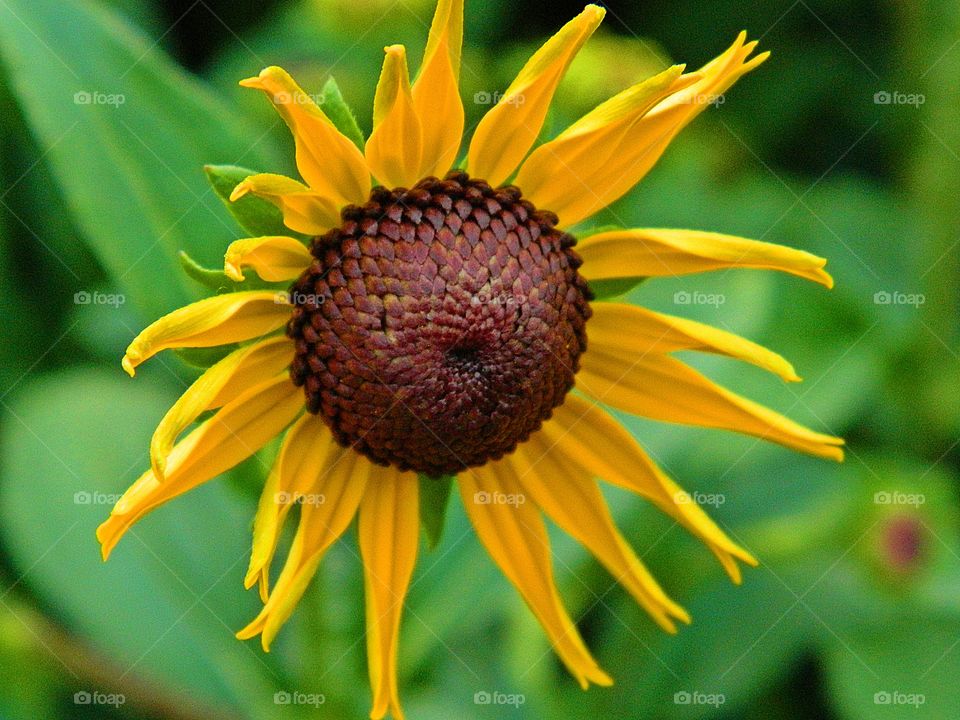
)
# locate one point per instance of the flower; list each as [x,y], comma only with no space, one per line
[437,327]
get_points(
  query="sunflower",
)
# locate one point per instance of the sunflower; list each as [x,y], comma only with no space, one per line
[437,325]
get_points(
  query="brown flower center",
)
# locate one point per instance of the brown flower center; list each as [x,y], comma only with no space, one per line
[439,326]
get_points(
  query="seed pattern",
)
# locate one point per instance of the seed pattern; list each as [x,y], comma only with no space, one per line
[439,325]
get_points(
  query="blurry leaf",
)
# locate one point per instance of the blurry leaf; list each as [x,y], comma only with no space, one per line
[903,670]
[216,280]
[340,114]
[255,215]
[204,357]
[613,288]
[434,501]
[167,603]
[126,133]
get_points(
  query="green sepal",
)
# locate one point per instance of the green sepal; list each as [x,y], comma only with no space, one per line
[434,501]
[219,281]
[614,287]
[203,358]
[339,113]
[255,215]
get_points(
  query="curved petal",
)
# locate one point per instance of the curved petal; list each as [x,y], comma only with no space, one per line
[389,531]
[329,162]
[274,258]
[656,253]
[634,142]
[436,92]
[395,146]
[575,503]
[510,128]
[237,431]
[337,482]
[219,320]
[596,445]
[663,388]
[223,381]
[304,210]
[637,332]
[515,537]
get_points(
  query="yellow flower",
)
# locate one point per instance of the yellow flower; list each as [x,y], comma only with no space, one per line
[437,326]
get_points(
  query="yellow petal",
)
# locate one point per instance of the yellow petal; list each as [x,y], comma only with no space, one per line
[389,531]
[304,210]
[394,149]
[510,128]
[436,93]
[329,162]
[657,253]
[223,381]
[336,482]
[304,459]
[630,138]
[219,320]
[274,258]
[237,431]
[663,388]
[575,503]
[637,332]
[515,537]
[596,445]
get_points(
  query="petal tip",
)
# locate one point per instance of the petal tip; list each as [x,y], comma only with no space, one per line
[129,363]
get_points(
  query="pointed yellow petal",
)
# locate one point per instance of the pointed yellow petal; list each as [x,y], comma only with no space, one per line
[389,531]
[336,483]
[436,93]
[305,457]
[596,445]
[510,128]
[575,503]
[223,381]
[329,162]
[394,149]
[637,332]
[304,210]
[515,537]
[627,138]
[663,388]
[237,431]
[219,320]
[657,253]
[274,258]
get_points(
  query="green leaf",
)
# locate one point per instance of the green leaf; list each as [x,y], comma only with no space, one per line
[255,215]
[434,501]
[340,114]
[166,604]
[216,280]
[125,132]
[203,358]
[615,287]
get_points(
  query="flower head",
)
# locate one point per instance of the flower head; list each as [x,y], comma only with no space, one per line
[442,322]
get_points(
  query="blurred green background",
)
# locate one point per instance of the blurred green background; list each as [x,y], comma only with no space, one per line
[845,144]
